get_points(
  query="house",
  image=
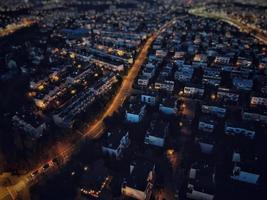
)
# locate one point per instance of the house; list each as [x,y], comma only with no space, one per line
[242,176]
[214,110]
[164,85]
[115,142]
[242,84]
[211,76]
[193,90]
[149,70]
[166,71]
[227,95]
[161,53]
[206,124]
[168,106]
[205,136]
[239,129]
[143,81]
[201,183]
[200,60]
[31,124]
[179,57]
[95,182]
[135,111]
[222,60]
[149,98]
[184,73]
[113,66]
[157,133]
[244,63]
[140,181]
[240,173]
[258,101]
[254,114]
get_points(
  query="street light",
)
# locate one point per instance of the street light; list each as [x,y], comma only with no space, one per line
[213,97]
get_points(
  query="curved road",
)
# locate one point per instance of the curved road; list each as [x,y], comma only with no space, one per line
[96,129]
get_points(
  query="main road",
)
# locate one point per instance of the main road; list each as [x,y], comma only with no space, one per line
[94,130]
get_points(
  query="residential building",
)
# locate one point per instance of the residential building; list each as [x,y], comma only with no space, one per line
[214,110]
[239,129]
[149,98]
[258,101]
[192,91]
[169,106]
[227,95]
[139,184]
[135,111]
[143,81]
[157,133]
[30,124]
[206,124]
[184,73]
[201,184]
[115,142]
[242,84]
[164,85]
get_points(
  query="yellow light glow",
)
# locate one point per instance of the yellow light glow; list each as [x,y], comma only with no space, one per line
[31,94]
[120,52]
[130,61]
[170,152]
[54,78]
[73,91]
[213,96]
[41,87]
[72,55]
[40,104]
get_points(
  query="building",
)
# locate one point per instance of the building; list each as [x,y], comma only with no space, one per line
[143,81]
[227,95]
[258,101]
[193,91]
[115,142]
[240,174]
[113,66]
[255,115]
[211,76]
[206,124]
[30,124]
[201,183]
[184,73]
[214,110]
[222,60]
[135,111]
[94,183]
[69,113]
[169,106]
[200,60]
[157,133]
[239,129]
[139,184]
[149,70]
[149,98]
[242,84]
[164,85]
